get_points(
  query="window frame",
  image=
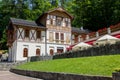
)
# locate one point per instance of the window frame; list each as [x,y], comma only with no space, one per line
[25,52]
[62,36]
[27,33]
[59,21]
[38,35]
[57,36]
[37,52]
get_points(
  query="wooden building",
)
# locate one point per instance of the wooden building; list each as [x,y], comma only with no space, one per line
[49,34]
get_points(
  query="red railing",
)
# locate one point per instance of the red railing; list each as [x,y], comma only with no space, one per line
[115,27]
[102,31]
[92,34]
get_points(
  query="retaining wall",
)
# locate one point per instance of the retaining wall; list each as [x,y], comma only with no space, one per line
[93,51]
[116,75]
[58,76]
[39,58]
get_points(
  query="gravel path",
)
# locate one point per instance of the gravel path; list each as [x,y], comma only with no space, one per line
[6,75]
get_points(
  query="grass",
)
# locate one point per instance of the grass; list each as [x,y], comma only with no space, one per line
[98,65]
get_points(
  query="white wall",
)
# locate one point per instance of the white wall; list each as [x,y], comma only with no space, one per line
[31,49]
[17,49]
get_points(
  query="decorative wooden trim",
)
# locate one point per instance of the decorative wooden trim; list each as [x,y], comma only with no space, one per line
[32,35]
[20,33]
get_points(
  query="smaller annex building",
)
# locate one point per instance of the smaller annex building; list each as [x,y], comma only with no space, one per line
[49,34]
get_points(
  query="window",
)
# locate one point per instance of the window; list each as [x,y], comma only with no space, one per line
[57,36]
[66,22]
[51,52]
[51,21]
[76,38]
[26,33]
[59,50]
[62,36]
[67,38]
[51,36]
[38,34]
[37,52]
[25,52]
[59,21]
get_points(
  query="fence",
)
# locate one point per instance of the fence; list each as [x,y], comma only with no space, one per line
[94,51]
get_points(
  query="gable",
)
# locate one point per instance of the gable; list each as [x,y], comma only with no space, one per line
[56,12]
[60,14]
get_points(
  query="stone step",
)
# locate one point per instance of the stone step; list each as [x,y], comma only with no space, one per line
[6,66]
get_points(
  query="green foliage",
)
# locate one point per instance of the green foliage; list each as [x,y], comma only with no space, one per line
[21,9]
[117,69]
[3,41]
[99,65]
[96,14]
[91,14]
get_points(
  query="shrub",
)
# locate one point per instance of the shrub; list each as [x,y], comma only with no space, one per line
[117,69]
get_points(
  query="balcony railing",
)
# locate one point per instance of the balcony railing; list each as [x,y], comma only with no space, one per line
[115,28]
[92,35]
[100,32]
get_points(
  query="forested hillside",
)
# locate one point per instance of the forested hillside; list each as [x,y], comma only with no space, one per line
[90,14]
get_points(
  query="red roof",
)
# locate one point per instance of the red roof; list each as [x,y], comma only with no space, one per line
[117,35]
[70,47]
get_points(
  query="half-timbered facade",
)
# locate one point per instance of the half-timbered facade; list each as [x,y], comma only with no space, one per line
[49,34]
[25,38]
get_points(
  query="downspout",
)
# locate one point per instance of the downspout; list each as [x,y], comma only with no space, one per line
[46,42]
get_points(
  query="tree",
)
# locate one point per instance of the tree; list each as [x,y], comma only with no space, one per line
[24,9]
[9,8]
[96,14]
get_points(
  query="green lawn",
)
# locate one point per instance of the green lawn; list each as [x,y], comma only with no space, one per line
[99,65]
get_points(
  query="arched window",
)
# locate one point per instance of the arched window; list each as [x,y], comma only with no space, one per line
[37,52]
[51,51]
[25,52]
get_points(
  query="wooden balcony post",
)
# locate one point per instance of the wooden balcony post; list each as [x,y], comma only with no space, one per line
[109,30]
[97,34]
[87,37]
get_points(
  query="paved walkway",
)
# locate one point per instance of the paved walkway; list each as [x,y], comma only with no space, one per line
[6,75]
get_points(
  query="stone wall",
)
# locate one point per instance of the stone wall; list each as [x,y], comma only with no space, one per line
[93,51]
[5,66]
[58,76]
[39,58]
[116,76]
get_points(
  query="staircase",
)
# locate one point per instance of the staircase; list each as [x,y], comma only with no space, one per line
[5,66]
